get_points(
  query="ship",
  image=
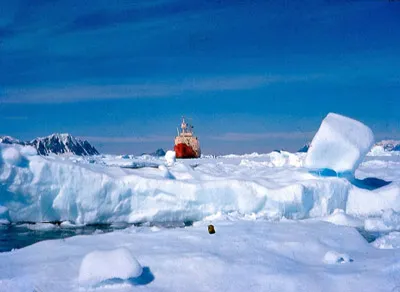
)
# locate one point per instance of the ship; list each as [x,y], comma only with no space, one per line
[186,143]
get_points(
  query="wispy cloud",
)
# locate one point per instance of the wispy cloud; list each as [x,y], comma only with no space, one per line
[227,137]
[74,93]
[14,118]
[136,13]
[232,137]
[132,139]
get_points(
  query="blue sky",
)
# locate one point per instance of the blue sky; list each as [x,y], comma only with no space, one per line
[252,75]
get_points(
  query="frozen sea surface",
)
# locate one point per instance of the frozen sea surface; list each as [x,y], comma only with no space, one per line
[243,255]
[280,226]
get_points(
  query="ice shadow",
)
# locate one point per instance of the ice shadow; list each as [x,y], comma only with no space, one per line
[369,183]
[145,278]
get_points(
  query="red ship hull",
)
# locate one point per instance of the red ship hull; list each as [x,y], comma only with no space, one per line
[184,151]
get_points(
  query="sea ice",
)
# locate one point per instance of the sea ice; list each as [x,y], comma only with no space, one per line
[390,220]
[11,155]
[102,190]
[339,217]
[362,202]
[98,266]
[243,255]
[170,157]
[388,241]
[340,144]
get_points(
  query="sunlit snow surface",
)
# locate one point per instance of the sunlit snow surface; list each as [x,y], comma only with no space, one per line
[253,200]
[108,189]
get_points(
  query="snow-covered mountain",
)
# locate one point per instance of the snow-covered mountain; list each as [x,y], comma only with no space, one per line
[305,147]
[11,140]
[56,144]
[389,145]
[158,153]
[63,143]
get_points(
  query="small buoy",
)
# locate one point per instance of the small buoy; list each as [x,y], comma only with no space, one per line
[211,229]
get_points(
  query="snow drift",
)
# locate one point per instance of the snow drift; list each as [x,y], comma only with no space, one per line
[99,266]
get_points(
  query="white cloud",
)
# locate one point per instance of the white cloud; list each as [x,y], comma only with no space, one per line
[132,139]
[262,136]
[74,93]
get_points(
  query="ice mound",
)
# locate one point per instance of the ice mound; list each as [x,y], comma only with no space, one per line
[333,257]
[12,156]
[99,266]
[389,221]
[165,172]
[340,144]
[170,157]
[276,159]
[362,202]
[389,241]
[339,217]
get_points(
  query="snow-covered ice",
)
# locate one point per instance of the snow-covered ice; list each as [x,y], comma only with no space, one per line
[104,190]
[333,257]
[339,217]
[388,221]
[255,201]
[242,256]
[170,157]
[100,266]
[340,144]
[388,241]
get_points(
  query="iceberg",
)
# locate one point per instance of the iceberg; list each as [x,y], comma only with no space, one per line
[340,144]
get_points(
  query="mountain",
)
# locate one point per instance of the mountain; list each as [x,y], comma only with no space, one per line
[158,153]
[56,144]
[305,147]
[389,145]
[11,140]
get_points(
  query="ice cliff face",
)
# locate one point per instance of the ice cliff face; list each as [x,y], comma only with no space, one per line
[56,144]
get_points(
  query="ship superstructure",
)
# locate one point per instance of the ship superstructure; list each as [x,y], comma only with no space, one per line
[186,143]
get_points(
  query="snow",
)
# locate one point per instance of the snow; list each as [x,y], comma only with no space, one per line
[107,189]
[340,144]
[99,266]
[280,226]
[333,257]
[12,156]
[339,217]
[242,255]
[390,220]
[388,241]
[362,202]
